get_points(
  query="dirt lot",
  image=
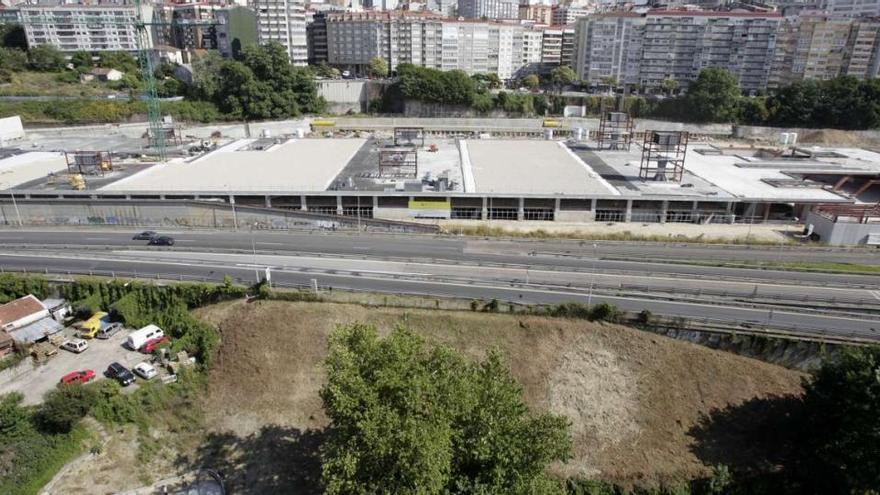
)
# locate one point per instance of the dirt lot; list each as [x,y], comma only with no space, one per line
[35,380]
[635,400]
[639,404]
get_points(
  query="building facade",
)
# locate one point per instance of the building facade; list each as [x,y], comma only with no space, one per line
[609,46]
[92,28]
[564,15]
[541,14]
[189,26]
[284,21]
[679,44]
[853,8]
[488,9]
[236,29]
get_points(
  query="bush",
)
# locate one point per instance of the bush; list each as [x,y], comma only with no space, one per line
[64,407]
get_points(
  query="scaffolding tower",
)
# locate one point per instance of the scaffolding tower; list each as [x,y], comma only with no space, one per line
[399,163]
[615,131]
[663,156]
[409,136]
[88,162]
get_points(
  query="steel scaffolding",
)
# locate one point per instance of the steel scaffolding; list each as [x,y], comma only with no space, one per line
[663,155]
[615,131]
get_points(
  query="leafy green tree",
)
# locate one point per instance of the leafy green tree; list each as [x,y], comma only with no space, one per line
[206,76]
[753,111]
[714,96]
[13,59]
[64,407]
[669,85]
[81,59]
[377,67]
[408,418]
[119,60]
[13,36]
[487,81]
[531,81]
[610,81]
[562,76]
[325,71]
[453,87]
[841,429]
[46,58]
[14,418]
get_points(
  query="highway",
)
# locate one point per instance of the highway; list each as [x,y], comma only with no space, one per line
[526,272]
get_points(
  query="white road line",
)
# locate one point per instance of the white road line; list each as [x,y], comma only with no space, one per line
[99,239]
[272,243]
[875,293]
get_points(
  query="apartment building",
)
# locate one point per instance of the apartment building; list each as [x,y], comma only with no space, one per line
[820,46]
[316,35]
[424,39]
[541,14]
[564,15]
[187,26]
[557,46]
[94,28]
[236,29]
[488,9]
[446,8]
[679,44]
[284,21]
[609,46]
[531,51]
[853,8]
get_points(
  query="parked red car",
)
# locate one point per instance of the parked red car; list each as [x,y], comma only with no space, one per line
[153,344]
[78,377]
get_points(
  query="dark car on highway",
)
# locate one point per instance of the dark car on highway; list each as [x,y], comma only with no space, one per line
[162,240]
[145,235]
[120,373]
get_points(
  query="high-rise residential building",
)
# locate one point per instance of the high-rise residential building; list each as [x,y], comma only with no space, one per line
[531,43]
[8,15]
[488,9]
[853,8]
[284,21]
[189,26]
[316,35]
[423,39]
[557,46]
[609,46]
[541,14]
[679,44]
[563,15]
[236,29]
[93,28]
[446,8]
[821,46]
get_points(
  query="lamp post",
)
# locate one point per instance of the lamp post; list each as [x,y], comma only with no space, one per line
[592,276]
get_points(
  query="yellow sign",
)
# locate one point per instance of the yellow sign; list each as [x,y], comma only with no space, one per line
[552,123]
[430,205]
[323,123]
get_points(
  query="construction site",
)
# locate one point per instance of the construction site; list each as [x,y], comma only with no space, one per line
[577,171]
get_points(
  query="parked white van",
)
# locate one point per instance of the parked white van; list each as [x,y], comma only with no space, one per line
[138,338]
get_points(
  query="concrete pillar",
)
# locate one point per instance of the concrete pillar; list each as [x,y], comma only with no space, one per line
[557,206]
[302,203]
[268,201]
[484,215]
[629,211]
[521,209]
[375,204]
[338,204]
[766,211]
[593,203]
[730,216]
[161,196]
[664,209]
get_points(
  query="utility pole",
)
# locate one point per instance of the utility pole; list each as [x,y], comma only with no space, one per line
[17,213]
[592,276]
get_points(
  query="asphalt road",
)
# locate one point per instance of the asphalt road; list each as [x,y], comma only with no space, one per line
[520,271]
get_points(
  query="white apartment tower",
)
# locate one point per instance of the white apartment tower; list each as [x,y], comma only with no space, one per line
[284,21]
[71,28]
[488,9]
[609,46]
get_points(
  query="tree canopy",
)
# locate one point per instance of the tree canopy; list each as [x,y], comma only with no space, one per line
[562,76]
[841,430]
[408,417]
[45,58]
[452,87]
[531,81]
[378,67]
[714,96]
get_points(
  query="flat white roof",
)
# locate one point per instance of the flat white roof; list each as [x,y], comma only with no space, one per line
[26,167]
[745,182]
[531,167]
[295,165]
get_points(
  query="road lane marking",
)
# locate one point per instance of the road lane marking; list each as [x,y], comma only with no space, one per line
[875,293]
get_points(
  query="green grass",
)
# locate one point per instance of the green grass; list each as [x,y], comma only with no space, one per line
[47,84]
[487,231]
[64,448]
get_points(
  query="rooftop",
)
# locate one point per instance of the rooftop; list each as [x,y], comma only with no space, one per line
[288,165]
[531,166]
[20,308]
[19,169]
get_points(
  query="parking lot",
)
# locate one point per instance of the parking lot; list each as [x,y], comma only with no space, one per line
[36,380]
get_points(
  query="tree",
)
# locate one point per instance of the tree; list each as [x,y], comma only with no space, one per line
[377,67]
[206,76]
[610,81]
[13,36]
[714,96]
[407,417]
[46,58]
[841,428]
[14,418]
[562,76]
[64,407]
[531,81]
[81,59]
[13,59]
[325,71]
[119,60]
[669,85]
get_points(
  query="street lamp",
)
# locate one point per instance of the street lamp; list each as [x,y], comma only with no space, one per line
[254,249]
[592,276]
